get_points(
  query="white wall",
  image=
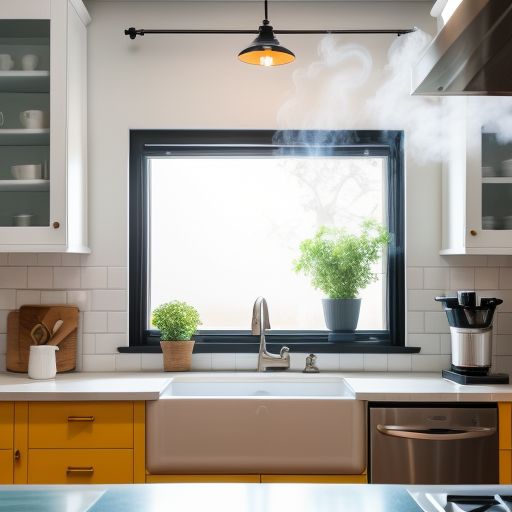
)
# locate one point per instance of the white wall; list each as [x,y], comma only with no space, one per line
[169,81]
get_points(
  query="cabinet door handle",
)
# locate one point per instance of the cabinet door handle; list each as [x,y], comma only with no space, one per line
[72,419]
[82,470]
[17,455]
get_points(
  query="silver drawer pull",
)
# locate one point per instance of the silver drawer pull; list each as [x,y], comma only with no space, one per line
[72,419]
[82,470]
[439,434]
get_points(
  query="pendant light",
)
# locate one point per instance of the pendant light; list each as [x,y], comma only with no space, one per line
[265,50]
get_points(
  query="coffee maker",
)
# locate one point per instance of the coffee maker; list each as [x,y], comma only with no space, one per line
[471,338]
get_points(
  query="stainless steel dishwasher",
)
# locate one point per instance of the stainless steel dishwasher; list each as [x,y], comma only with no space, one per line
[433,443]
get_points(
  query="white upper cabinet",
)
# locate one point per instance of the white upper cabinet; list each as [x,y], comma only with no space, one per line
[477,192]
[43,131]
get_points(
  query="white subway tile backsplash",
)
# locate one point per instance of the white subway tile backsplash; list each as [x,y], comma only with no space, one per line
[437,278]
[66,277]
[427,363]
[49,260]
[467,260]
[93,277]
[499,261]
[351,362]
[246,362]
[327,362]
[109,300]
[436,322]
[503,345]
[415,278]
[117,277]
[423,300]
[503,364]
[415,321]
[375,362]
[446,344]
[462,278]
[399,362]
[128,362]
[95,321]
[108,343]
[88,343]
[13,277]
[487,278]
[152,362]
[53,297]
[7,299]
[117,322]
[40,277]
[3,320]
[429,343]
[71,260]
[200,362]
[504,323]
[223,361]
[27,297]
[98,363]
[505,281]
[22,259]
[79,298]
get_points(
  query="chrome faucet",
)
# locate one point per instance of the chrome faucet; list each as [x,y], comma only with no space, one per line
[260,322]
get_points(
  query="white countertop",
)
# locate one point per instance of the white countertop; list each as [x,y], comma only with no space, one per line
[420,387]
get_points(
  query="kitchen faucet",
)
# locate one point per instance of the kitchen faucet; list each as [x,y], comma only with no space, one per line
[260,322]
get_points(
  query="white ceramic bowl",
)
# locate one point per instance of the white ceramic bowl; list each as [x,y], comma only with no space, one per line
[27,172]
[22,220]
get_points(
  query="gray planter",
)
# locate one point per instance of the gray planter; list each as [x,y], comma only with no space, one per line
[341,314]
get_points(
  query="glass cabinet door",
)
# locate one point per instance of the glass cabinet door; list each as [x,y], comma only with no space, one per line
[496,183]
[25,167]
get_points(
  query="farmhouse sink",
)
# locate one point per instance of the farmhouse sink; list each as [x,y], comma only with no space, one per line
[256,423]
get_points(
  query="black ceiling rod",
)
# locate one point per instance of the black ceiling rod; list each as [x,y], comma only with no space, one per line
[134,32]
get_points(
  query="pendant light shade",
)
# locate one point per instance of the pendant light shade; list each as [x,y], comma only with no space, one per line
[265,50]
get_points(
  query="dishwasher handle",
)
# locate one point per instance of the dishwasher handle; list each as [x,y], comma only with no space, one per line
[439,434]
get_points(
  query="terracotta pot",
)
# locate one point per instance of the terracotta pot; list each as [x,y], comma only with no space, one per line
[177,355]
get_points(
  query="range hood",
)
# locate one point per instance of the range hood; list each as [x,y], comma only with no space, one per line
[471,54]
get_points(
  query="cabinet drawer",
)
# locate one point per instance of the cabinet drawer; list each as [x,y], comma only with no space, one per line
[80,466]
[6,468]
[80,425]
[6,425]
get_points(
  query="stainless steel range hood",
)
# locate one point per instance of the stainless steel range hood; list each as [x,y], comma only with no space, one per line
[472,53]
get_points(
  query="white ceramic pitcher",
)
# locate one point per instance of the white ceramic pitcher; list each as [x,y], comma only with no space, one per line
[42,363]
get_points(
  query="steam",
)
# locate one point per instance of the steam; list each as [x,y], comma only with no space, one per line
[336,93]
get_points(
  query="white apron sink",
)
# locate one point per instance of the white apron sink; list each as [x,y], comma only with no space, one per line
[256,423]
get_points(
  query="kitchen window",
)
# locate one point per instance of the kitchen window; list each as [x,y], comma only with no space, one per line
[216,219]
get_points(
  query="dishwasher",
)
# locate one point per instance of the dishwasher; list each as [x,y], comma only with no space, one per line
[423,443]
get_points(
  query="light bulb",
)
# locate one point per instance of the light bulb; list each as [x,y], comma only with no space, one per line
[266,60]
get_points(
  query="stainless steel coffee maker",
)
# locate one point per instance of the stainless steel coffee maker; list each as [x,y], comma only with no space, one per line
[471,338]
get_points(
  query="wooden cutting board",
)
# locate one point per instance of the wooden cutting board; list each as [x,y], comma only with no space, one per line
[20,324]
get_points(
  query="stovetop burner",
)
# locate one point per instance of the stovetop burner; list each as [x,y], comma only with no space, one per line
[467,503]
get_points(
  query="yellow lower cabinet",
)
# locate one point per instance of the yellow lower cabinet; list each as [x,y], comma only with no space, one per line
[314,479]
[505,458]
[80,425]
[6,466]
[6,425]
[180,479]
[80,466]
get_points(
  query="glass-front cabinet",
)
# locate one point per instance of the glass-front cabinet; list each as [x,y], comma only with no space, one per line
[477,191]
[43,126]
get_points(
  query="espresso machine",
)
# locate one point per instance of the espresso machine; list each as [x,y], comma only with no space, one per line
[471,338]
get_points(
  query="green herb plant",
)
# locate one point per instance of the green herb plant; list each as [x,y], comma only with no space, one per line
[177,321]
[339,263]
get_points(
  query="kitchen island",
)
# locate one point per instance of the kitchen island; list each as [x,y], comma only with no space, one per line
[238,498]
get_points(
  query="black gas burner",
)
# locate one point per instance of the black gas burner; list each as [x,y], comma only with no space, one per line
[478,503]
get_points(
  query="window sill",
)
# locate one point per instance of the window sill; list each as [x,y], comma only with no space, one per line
[316,347]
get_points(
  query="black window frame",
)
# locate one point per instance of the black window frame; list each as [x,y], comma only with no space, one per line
[152,143]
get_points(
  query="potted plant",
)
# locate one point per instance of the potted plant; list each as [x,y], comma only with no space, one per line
[177,322]
[339,264]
